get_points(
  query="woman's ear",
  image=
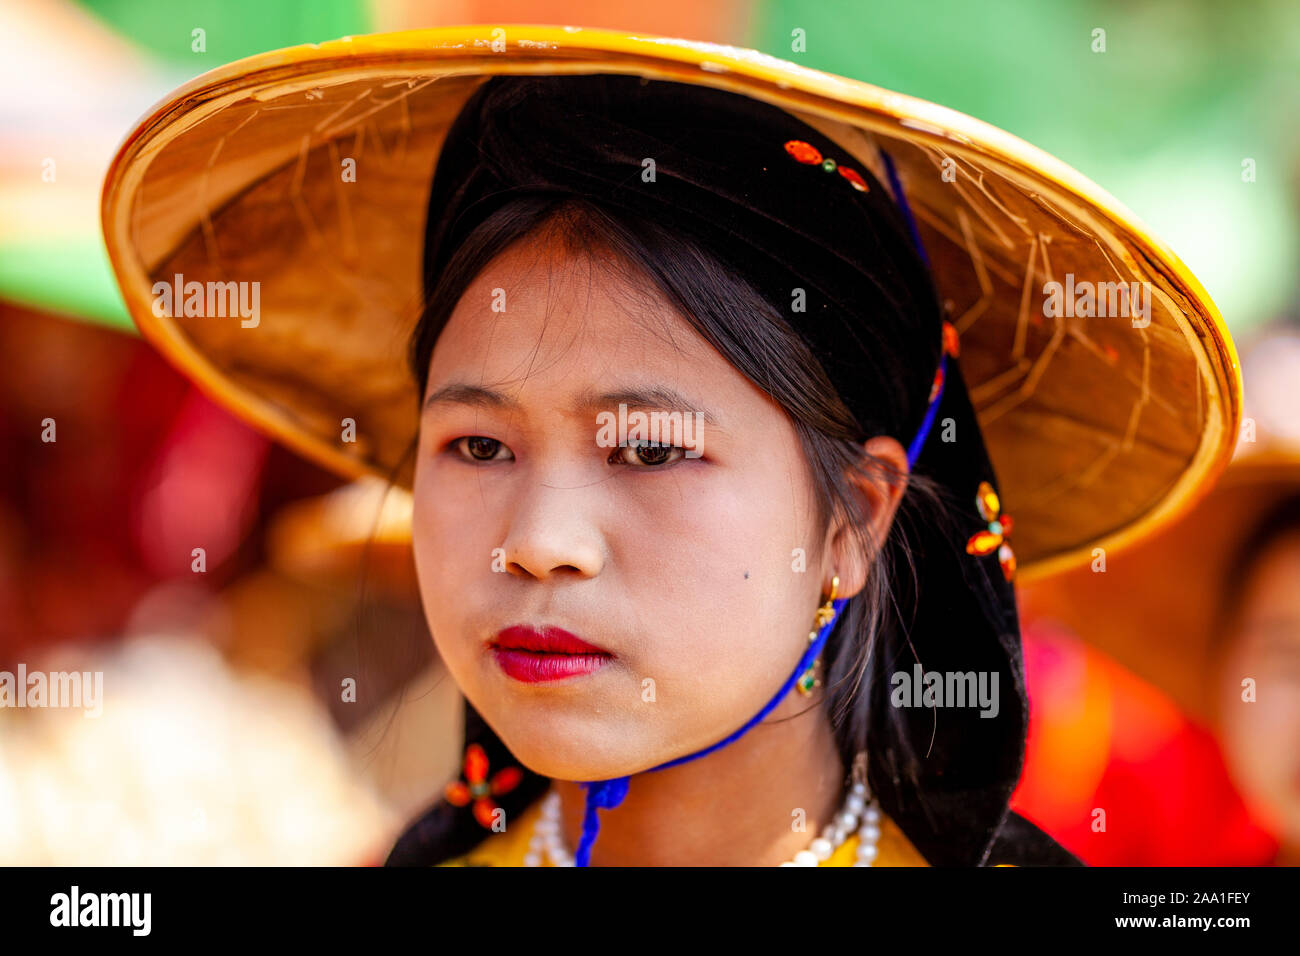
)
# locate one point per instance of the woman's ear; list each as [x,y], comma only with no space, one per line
[879,485]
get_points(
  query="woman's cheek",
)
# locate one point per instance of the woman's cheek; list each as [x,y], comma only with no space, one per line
[1277,720]
[704,553]
[449,556]
[1263,737]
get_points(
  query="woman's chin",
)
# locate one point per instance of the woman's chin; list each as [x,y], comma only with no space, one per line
[571,749]
[572,766]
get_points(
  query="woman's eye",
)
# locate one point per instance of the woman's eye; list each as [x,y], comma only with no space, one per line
[482,448]
[646,454]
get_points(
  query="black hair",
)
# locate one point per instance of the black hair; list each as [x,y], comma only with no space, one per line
[749,330]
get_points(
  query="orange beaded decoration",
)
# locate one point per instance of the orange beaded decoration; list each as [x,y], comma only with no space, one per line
[950,342]
[803,152]
[951,348]
[478,788]
[810,155]
[854,177]
[994,537]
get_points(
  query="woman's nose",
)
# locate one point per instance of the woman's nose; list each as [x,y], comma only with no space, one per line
[553,532]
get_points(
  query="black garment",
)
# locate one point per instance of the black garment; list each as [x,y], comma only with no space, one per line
[1021,843]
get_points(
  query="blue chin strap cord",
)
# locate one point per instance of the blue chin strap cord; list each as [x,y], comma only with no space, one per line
[918,442]
[914,449]
[608,794]
[895,184]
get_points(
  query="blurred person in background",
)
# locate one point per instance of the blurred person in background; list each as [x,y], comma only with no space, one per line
[1256,660]
[222,684]
[1205,610]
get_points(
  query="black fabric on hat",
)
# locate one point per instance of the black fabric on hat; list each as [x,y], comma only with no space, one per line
[724,177]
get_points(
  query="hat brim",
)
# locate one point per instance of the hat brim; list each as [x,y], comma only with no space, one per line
[1100,429]
[1155,606]
[357,536]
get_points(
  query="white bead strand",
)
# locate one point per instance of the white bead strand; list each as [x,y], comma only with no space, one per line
[859,812]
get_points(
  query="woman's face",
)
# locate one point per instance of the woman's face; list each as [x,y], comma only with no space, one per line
[1262,737]
[697,578]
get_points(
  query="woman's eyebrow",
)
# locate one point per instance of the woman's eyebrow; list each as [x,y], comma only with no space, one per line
[654,399]
[462,393]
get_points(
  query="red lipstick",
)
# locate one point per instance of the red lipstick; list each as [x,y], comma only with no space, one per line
[533,655]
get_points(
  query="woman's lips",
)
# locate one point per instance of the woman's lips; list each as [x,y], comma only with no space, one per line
[534,655]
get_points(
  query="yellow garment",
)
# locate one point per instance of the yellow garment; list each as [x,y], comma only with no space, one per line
[508,848]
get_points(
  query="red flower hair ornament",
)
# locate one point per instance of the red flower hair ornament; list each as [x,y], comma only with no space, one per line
[476,786]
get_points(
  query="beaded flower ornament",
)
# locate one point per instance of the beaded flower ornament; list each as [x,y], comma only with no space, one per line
[994,536]
[478,789]
[810,155]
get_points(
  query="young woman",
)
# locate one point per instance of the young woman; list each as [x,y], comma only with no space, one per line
[706,526]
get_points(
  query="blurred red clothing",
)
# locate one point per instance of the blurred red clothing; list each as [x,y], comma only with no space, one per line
[1117,774]
[143,469]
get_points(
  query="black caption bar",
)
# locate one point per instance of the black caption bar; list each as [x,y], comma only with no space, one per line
[330,906]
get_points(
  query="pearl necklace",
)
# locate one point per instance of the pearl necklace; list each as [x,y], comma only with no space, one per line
[859,811]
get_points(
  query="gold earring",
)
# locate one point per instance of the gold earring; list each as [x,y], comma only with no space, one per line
[827,610]
[808,680]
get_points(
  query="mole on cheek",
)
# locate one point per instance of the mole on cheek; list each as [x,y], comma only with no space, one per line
[746,575]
